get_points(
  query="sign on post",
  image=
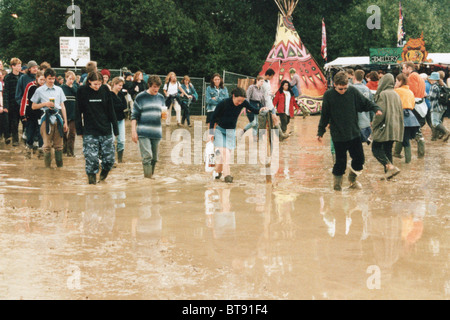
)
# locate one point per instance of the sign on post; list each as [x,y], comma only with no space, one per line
[74,51]
[385,55]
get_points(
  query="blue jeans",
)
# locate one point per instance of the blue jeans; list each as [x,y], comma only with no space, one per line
[121,137]
[149,150]
[295,91]
[33,133]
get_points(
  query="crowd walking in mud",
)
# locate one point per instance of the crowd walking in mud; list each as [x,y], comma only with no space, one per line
[385,111]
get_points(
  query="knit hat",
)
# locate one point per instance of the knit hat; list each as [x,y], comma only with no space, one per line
[434,76]
[424,76]
[105,72]
[31,64]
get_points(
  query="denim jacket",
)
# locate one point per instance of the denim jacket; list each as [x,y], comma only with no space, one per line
[218,93]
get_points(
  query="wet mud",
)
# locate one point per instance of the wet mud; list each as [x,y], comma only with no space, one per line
[184,235]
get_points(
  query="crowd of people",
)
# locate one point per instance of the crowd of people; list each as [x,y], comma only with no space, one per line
[384,111]
[371,108]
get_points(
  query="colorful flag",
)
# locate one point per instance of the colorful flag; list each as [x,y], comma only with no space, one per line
[401,34]
[323,50]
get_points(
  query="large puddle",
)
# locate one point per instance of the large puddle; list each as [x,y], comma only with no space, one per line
[183,235]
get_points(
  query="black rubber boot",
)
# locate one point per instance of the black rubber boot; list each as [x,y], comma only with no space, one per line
[92,179]
[59,158]
[120,156]
[408,154]
[103,174]
[48,159]
[398,150]
[337,183]
[148,171]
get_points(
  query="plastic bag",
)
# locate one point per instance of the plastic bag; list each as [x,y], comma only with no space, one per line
[210,160]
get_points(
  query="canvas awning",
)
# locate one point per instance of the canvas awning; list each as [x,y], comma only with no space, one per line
[437,58]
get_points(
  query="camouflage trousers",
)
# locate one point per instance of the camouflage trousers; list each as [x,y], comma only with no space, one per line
[98,148]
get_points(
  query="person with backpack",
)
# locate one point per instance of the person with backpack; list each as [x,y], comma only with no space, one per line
[437,108]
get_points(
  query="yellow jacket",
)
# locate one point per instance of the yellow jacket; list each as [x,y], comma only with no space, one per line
[407,97]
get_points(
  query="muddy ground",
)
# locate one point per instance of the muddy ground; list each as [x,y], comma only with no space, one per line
[183,235]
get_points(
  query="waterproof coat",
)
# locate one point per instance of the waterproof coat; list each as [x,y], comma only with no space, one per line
[389,125]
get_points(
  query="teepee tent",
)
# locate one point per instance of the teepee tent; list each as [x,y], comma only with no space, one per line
[289,52]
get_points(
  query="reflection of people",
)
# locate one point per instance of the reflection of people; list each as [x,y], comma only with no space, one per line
[340,108]
[146,124]
[219,215]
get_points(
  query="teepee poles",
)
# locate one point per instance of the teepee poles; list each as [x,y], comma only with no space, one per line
[286,7]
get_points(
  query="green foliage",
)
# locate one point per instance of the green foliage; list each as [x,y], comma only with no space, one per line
[201,37]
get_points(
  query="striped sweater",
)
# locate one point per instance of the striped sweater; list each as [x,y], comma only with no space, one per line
[147,113]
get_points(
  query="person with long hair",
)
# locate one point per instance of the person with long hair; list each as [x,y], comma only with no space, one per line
[70,90]
[94,117]
[138,84]
[215,93]
[225,116]
[171,89]
[410,122]
[285,103]
[189,95]
[120,105]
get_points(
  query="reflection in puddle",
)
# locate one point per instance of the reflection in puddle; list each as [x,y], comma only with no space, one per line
[185,236]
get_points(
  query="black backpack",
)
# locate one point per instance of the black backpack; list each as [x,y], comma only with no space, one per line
[444,96]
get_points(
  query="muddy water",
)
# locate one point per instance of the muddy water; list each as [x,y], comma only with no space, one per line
[185,236]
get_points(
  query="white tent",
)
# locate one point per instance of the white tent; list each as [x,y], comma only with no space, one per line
[437,58]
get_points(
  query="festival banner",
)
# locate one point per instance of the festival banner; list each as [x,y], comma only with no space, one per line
[385,55]
[323,50]
[401,34]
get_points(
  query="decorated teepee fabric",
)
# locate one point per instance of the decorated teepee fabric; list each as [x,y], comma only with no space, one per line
[289,52]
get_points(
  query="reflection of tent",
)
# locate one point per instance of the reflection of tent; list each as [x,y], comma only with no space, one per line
[288,52]
[436,59]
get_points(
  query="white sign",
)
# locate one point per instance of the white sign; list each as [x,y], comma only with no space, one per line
[74,51]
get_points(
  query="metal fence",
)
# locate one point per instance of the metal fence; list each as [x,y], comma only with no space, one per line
[198,107]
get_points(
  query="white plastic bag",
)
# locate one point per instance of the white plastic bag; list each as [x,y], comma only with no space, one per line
[421,107]
[210,160]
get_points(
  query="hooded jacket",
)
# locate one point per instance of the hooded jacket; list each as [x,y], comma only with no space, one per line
[389,125]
